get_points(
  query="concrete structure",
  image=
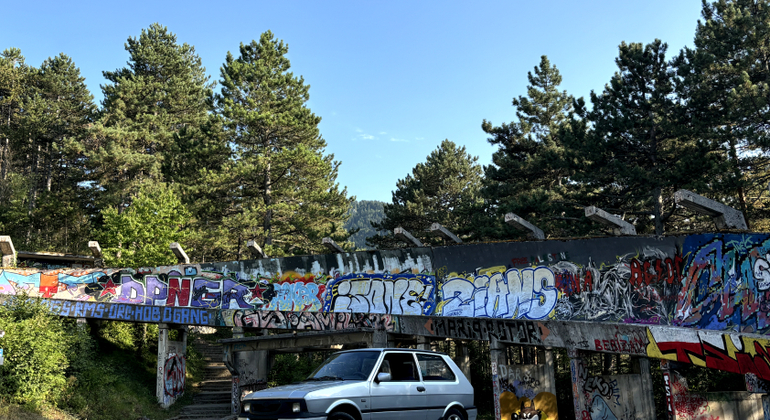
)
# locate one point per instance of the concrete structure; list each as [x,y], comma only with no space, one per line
[179,253]
[407,237]
[643,297]
[437,230]
[724,217]
[8,251]
[331,245]
[517,222]
[171,364]
[96,250]
[255,249]
[617,225]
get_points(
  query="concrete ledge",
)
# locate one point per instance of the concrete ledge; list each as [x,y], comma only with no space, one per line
[405,236]
[255,249]
[618,225]
[438,230]
[524,226]
[329,243]
[181,256]
[725,217]
[8,251]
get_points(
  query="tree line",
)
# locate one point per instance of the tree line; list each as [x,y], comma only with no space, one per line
[167,157]
[697,120]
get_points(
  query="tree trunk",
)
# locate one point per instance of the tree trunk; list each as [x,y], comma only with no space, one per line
[268,208]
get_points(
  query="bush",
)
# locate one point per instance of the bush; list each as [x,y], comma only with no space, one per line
[35,348]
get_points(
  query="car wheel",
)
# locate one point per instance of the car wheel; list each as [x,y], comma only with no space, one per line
[454,414]
[340,416]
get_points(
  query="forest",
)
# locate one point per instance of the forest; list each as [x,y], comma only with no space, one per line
[172,156]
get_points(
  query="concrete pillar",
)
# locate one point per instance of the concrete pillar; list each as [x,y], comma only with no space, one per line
[462,358]
[675,385]
[238,332]
[171,366]
[7,251]
[578,372]
[641,367]
[497,356]
[423,343]
[380,339]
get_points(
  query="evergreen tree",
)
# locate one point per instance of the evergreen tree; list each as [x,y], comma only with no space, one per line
[442,190]
[528,175]
[13,84]
[638,152]
[153,119]
[725,83]
[279,187]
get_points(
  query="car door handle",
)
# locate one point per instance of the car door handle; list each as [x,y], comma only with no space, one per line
[421,388]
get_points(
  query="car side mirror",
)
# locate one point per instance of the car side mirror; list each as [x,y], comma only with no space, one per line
[382,377]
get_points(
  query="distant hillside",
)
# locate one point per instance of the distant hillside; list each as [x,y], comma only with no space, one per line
[361,214]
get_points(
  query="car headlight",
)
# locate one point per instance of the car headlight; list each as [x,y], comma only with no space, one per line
[247,407]
[295,407]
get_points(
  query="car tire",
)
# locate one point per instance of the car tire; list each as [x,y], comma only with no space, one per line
[454,414]
[340,416]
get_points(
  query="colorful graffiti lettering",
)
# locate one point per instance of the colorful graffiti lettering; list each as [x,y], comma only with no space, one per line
[528,293]
[402,294]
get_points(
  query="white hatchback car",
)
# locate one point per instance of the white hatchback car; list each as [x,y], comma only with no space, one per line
[370,384]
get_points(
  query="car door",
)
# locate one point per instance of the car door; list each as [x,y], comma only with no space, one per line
[440,383]
[402,397]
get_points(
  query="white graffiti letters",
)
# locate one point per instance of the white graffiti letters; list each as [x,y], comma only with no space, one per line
[527,293]
[381,296]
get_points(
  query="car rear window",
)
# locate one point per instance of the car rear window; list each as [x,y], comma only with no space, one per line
[434,368]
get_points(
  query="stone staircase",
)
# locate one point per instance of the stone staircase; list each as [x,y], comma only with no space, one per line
[212,400]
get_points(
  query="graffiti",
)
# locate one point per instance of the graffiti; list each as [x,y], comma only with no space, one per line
[723,351]
[600,410]
[726,283]
[174,375]
[317,321]
[522,332]
[523,395]
[133,313]
[528,293]
[403,294]
[602,387]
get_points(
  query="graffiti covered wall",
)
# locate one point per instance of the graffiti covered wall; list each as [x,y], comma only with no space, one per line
[717,282]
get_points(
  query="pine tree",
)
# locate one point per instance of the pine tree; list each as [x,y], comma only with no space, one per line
[13,85]
[528,175]
[725,81]
[279,187]
[638,151]
[153,121]
[444,189]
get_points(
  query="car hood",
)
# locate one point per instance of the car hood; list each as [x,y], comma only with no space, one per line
[295,390]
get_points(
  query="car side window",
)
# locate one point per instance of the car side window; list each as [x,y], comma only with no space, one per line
[401,367]
[434,368]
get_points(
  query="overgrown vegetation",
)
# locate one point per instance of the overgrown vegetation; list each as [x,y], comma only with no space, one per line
[58,368]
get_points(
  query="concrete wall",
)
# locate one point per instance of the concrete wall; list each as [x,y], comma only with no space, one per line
[717,282]
[527,388]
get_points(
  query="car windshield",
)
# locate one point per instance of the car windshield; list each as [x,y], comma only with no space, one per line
[355,365]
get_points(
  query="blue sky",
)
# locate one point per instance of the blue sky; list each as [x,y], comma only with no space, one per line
[391,80]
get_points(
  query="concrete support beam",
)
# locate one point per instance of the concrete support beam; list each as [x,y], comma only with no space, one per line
[255,249]
[181,256]
[517,222]
[462,358]
[498,358]
[641,367]
[8,252]
[172,370]
[577,370]
[437,230]
[333,247]
[238,332]
[96,250]
[618,225]
[423,343]
[725,217]
[405,236]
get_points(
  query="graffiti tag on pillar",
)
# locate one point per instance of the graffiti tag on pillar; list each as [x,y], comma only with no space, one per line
[174,375]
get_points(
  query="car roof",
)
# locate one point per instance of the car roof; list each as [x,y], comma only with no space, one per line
[381,349]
